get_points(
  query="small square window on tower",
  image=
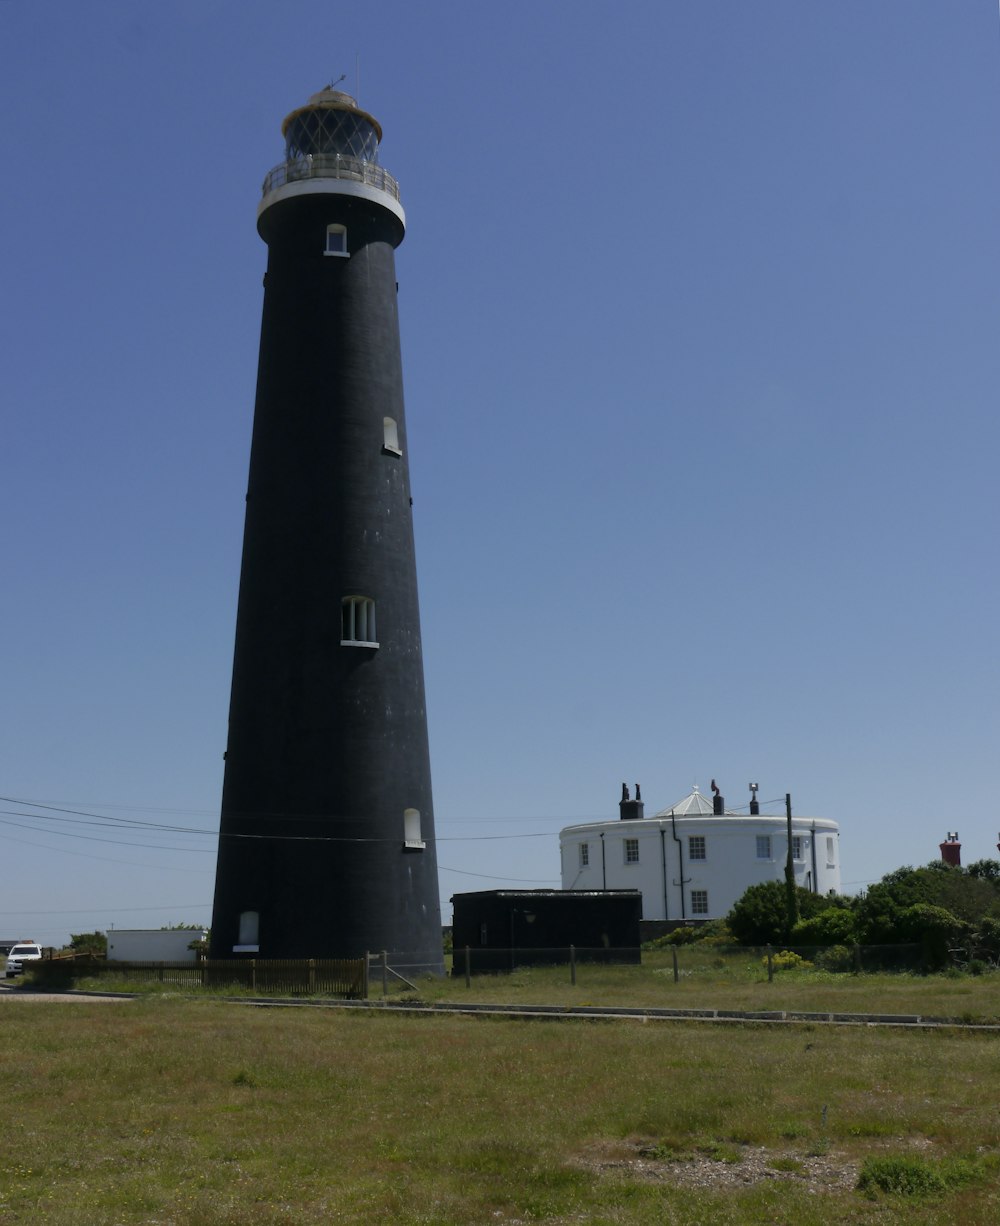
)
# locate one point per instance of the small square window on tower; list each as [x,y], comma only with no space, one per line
[631,851]
[696,846]
[336,241]
[584,855]
[699,902]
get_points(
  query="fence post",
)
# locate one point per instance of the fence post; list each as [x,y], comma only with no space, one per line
[161,972]
[204,963]
[677,973]
[572,965]
[253,974]
[364,977]
[468,968]
[312,976]
[770,964]
[385,973]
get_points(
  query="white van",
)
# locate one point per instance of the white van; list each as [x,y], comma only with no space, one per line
[26,951]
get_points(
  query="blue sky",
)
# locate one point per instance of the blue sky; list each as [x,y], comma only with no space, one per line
[699,308]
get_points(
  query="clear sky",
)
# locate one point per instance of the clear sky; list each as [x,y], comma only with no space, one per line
[699,307]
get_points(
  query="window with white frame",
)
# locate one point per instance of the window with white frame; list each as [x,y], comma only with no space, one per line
[411,830]
[584,855]
[336,241]
[357,622]
[631,851]
[830,850]
[696,847]
[248,938]
[763,847]
[699,902]
[796,847]
[390,436]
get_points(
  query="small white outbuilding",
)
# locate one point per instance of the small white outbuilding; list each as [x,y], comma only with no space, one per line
[693,860]
[153,944]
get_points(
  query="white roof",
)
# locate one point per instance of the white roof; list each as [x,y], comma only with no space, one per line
[694,805]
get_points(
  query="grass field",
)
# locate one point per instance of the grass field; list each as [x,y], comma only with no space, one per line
[725,979]
[170,1110]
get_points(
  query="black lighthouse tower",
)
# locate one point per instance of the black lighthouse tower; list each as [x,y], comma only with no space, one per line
[326,843]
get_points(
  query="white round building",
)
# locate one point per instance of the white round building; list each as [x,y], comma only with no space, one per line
[693,860]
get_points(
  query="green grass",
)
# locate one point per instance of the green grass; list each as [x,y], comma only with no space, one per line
[208,1113]
[726,979]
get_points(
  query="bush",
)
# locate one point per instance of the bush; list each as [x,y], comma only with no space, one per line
[786,960]
[838,958]
[52,975]
[902,1176]
[759,915]
[831,926]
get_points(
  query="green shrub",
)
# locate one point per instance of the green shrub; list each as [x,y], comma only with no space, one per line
[831,926]
[786,960]
[901,1176]
[836,958]
[52,975]
[760,915]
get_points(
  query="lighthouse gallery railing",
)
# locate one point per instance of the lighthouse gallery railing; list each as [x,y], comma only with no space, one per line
[331,166]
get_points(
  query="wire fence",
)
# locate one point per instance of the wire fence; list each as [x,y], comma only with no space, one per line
[699,959]
[386,973]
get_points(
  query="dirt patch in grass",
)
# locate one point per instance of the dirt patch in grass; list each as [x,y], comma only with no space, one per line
[728,1166]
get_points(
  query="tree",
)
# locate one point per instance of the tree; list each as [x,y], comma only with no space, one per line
[760,915]
[967,897]
[985,870]
[831,926]
[93,943]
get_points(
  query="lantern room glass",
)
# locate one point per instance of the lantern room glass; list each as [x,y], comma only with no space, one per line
[331,131]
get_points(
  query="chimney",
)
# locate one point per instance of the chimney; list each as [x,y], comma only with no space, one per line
[630,810]
[951,850]
[718,801]
[754,802]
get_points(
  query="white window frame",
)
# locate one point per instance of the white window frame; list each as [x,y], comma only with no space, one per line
[340,250]
[584,855]
[248,940]
[357,622]
[797,847]
[697,847]
[390,437]
[699,902]
[411,830]
[630,851]
[763,847]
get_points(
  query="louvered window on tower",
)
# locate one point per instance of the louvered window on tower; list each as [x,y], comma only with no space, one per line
[336,240]
[357,622]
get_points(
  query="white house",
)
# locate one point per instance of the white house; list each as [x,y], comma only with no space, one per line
[693,860]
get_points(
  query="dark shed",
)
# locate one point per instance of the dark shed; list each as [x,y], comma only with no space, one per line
[507,928]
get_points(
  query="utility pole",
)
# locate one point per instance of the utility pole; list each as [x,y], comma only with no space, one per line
[791,902]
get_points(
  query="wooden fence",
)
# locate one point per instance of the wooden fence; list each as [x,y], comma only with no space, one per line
[341,977]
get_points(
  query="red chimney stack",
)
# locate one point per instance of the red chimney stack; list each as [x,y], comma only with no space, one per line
[951,850]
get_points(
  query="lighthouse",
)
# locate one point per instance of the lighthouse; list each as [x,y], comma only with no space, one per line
[326,843]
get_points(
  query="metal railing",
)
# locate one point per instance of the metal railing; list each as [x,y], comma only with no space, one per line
[331,166]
